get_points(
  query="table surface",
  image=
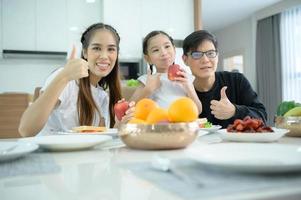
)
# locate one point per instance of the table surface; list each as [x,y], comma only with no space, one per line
[98,174]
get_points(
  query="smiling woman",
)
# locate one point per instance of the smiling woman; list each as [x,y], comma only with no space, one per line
[76,94]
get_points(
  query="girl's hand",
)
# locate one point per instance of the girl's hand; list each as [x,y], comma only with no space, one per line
[183,79]
[152,81]
[76,68]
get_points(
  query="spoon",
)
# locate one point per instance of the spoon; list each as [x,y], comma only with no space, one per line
[9,149]
[164,165]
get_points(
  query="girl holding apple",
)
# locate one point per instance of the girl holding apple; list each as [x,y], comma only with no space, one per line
[225,96]
[76,94]
[159,51]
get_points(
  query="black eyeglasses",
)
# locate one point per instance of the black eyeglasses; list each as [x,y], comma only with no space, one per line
[199,54]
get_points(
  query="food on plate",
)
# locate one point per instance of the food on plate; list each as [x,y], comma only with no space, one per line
[88,129]
[172,71]
[120,108]
[206,125]
[203,123]
[249,125]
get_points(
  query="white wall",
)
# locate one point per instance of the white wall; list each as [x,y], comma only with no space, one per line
[20,75]
[236,39]
[241,37]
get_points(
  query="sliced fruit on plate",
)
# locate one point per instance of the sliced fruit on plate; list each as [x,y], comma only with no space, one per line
[88,129]
[203,123]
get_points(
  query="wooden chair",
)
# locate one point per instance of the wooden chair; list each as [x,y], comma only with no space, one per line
[36,93]
[12,106]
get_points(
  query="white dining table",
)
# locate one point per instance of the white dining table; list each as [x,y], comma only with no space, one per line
[100,173]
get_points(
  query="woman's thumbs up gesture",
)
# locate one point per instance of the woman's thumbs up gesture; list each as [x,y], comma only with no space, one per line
[75,68]
[222,109]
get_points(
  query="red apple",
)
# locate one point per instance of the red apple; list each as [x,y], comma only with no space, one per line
[120,108]
[172,71]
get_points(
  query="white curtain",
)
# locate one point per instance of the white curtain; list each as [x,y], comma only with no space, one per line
[290,41]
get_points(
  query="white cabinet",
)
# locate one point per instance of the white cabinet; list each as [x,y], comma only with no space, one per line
[51,25]
[80,15]
[46,25]
[18,24]
[125,17]
[136,18]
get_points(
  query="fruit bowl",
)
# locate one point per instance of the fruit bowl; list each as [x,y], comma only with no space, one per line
[158,136]
[293,124]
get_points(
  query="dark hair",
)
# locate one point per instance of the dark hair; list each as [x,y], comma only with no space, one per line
[148,37]
[85,102]
[153,34]
[192,41]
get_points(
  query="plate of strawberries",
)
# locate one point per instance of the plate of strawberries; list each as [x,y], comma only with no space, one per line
[251,130]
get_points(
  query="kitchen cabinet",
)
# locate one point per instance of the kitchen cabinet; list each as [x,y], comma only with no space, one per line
[18,24]
[34,25]
[137,18]
[80,15]
[51,25]
[127,20]
[46,25]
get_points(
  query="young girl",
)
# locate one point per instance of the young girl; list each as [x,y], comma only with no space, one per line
[76,94]
[159,51]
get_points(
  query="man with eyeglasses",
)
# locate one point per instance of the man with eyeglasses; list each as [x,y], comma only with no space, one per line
[225,96]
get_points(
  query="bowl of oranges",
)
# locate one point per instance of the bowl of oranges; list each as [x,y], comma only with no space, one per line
[153,127]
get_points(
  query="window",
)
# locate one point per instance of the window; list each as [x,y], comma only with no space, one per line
[234,63]
[290,40]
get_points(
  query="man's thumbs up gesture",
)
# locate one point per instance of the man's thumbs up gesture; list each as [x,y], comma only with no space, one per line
[222,109]
[75,68]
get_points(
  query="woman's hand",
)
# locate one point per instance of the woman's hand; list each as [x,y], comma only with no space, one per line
[129,114]
[75,68]
[222,109]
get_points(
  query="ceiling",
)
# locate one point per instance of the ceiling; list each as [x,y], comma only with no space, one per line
[217,14]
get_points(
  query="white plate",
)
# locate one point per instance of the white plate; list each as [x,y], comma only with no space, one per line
[17,149]
[69,142]
[253,137]
[213,128]
[202,133]
[111,132]
[247,157]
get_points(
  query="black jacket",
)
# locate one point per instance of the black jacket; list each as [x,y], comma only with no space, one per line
[239,92]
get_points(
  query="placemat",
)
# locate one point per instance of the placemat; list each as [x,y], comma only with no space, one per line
[208,182]
[31,164]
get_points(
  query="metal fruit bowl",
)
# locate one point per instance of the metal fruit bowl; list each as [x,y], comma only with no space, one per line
[293,124]
[158,136]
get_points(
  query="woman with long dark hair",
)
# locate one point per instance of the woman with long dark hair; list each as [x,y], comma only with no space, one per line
[84,91]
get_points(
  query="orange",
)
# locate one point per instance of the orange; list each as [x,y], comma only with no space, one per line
[183,110]
[157,115]
[143,108]
[136,121]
